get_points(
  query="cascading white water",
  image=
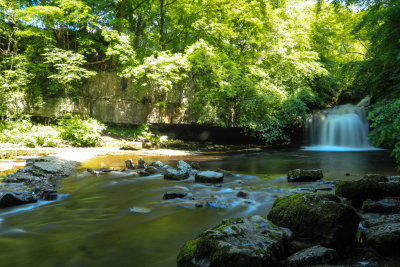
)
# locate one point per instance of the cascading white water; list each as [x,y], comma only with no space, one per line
[340,128]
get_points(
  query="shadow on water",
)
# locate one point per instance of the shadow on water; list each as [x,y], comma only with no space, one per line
[95,225]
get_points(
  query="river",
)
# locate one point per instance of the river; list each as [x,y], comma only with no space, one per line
[121,220]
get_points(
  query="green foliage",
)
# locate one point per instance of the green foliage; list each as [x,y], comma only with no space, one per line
[68,69]
[159,74]
[385,127]
[81,132]
[23,132]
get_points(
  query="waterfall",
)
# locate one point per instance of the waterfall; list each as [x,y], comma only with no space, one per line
[340,128]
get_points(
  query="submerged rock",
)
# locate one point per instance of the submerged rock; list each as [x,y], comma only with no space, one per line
[209,177]
[386,205]
[172,195]
[299,175]
[17,198]
[320,218]
[142,210]
[225,173]
[252,241]
[317,255]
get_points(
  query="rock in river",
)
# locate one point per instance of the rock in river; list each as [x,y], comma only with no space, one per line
[299,175]
[320,218]
[317,255]
[252,241]
[385,238]
[386,205]
[17,198]
[172,195]
[171,174]
[209,177]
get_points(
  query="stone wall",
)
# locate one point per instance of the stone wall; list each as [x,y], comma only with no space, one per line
[109,98]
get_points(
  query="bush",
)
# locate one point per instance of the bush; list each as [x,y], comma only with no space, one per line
[385,127]
[23,132]
[80,132]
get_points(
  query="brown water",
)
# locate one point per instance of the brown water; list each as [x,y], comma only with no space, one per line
[92,224]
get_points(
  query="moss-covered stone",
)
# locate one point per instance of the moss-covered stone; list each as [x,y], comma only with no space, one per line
[299,175]
[237,242]
[385,238]
[320,218]
[359,191]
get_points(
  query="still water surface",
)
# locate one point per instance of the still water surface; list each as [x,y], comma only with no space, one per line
[92,223]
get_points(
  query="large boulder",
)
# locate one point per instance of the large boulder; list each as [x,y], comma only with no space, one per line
[209,177]
[319,218]
[316,255]
[252,241]
[359,191]
[17,198]
[299,175]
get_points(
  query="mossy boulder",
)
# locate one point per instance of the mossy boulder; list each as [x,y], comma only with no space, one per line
[318,218]
[252,241]
[359,191]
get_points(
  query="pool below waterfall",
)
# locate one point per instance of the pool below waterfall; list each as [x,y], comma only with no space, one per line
[121,220]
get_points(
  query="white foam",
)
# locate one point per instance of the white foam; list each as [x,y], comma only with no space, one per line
[339,148]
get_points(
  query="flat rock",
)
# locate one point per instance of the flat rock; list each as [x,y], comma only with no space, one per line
[209,177]
[385,238]
[386,205]
[317,255]
[300,175]
[252,241]
[374,219]
[17,198]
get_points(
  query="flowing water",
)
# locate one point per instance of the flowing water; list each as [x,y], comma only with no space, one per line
[122,220]
[342,128]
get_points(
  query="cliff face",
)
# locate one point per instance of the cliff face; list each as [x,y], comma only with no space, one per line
[110,99]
